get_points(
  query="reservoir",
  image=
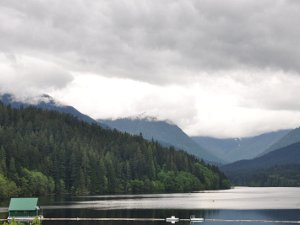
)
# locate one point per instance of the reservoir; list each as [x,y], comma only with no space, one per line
[241,203]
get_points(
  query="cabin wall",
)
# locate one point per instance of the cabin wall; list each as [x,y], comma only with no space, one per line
[23,213]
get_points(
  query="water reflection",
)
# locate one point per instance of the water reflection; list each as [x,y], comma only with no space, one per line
[236,204]
[238,198]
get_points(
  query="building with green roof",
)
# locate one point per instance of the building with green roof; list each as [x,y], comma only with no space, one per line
[23,208]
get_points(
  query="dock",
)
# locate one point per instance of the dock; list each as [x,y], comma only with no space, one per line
[164,219]
[103,219]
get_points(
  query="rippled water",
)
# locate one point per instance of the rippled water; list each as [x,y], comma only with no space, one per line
[272,204]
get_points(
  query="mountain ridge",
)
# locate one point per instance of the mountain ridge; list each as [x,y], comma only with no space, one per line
[293,136]
[45,102]
[164,132]
[247,172]
[234,149]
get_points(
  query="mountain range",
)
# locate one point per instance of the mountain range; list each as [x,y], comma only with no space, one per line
[218,150]
[269,159]
[234,149]
[164,132]
[280,167]
[254,160]
[293,136]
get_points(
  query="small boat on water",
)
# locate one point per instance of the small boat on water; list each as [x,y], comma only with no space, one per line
[172,219]
[194,219]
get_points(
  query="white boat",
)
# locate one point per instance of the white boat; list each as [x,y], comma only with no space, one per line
[195,219]
[172,219]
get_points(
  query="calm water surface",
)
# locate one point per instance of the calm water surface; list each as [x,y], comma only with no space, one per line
[240,203]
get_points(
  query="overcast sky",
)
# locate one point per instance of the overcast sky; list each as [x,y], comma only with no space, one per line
[223,68]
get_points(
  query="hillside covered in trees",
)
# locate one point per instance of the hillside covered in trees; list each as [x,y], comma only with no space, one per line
[279,168]
[44,152]
[276,176]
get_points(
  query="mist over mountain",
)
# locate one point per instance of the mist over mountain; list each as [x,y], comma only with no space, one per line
[164,132]
[45,102]
[234,149]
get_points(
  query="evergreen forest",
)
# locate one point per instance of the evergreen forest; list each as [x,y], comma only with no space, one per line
[276,176]
[278,168]
[46,152]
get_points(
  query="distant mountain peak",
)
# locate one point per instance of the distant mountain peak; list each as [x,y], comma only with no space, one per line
[234,149]
[45,102]
[44,98]
[144,117]
[31,100]
[163,131]
[47,98]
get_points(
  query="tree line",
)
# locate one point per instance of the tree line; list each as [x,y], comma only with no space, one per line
[276,176]
[44,152]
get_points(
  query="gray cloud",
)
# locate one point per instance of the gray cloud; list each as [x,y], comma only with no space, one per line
[238,60]
[25,75]
[155,41]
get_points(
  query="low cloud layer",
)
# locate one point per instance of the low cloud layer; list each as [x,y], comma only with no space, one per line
[218,68]
[222,106]
[24,75]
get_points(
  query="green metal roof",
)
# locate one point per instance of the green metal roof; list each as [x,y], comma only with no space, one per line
[23,204]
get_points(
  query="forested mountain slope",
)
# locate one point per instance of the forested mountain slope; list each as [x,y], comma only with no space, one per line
[45,102]
[44,152]
[164,132]
[277,168]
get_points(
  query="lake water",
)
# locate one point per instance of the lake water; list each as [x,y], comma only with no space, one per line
[241,203]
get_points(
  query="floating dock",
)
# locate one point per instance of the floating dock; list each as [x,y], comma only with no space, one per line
[161,219]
